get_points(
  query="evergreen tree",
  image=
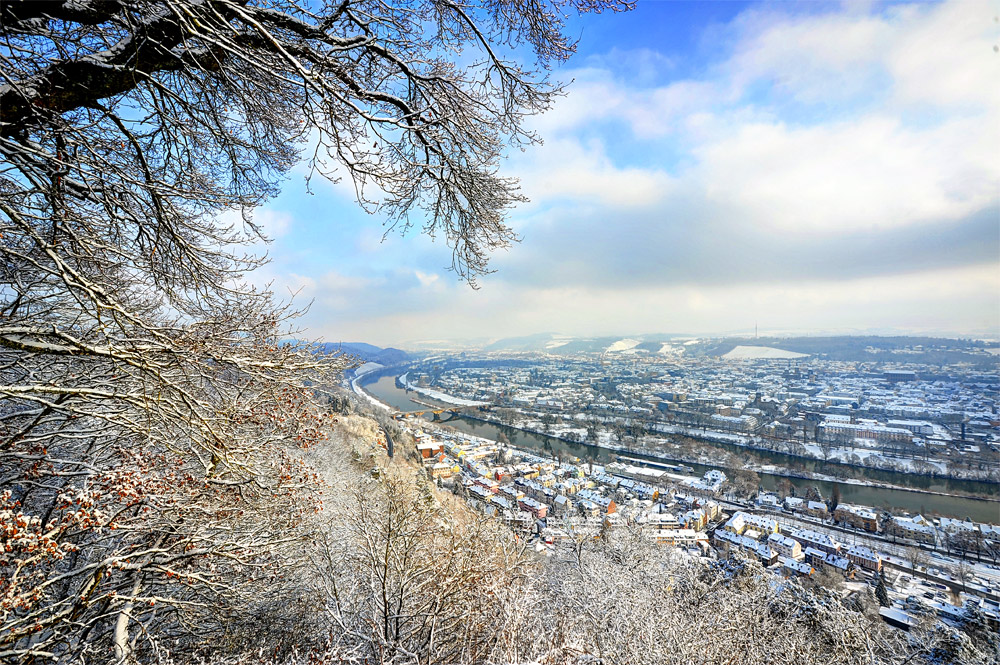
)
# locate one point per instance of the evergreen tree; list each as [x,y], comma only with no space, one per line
[881,594]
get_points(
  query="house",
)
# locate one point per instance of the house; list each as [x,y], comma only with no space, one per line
[711,509]
[501,504]
[511,492]
[429,449]
[444,470]
[792,567]
[863,557]
[897,618]
[766,555]
[679,537]
[914,528]
[815,508]
[785,546]
[820,541]
[607,504]
[840,563]
[606,479]
[694,519]
[768,501]
[953,526]
[794,503]
[480,493]
[860,517]
[740,520]
[815,557]
[487,483]
[662,520]
[589,508]
[536,508]
[562,506]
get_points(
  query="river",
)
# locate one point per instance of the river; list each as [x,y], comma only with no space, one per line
[950,506]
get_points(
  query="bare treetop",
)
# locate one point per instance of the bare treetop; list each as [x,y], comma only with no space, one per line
[209,101]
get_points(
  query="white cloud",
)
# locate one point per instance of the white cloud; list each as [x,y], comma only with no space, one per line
[916,142]
[426,279]
[583,173]
[848,176]
[812,133]
[961,299]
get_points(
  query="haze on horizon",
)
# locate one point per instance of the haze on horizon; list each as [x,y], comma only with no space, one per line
[809,167]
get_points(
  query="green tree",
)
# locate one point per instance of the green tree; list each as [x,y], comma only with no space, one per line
[881,594]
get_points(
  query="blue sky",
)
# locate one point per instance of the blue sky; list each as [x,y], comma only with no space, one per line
[808,167]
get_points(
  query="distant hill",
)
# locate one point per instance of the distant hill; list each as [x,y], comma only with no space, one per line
[857,348]
[562,345]
[761,352]
[367,352]
[538,342]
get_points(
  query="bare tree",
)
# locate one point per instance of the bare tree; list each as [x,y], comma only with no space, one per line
[624,600]
[152,411]
[917,558]
[409,582]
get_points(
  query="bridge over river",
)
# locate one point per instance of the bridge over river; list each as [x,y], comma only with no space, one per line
[436,411]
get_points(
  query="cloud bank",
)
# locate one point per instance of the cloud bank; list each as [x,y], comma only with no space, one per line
[822,169]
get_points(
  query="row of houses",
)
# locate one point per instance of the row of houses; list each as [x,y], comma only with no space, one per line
[795,544]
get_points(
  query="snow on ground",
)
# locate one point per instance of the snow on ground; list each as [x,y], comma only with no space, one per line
[360,392]
[557,341]
[671,350]
[437,394]
[367,368]
[756,352]
[623,345]
[844,455]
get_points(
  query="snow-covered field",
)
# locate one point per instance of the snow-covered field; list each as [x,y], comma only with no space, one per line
[844,455]
[623,345]
[761,352]
[438,395]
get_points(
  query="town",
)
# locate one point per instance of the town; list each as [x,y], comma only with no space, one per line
[845,546]
[637,418]
[910,409]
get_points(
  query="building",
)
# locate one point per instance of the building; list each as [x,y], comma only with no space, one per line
[679,537]
[429,449]
[863,557]
[815,508]
[694,519]
[766,555]
[605,503]
[820,541]
[860,517]
[836,432]
[914,528]
[785,546]
[444,470]
[740,521]
[792,567]
[536,508]
[562,506]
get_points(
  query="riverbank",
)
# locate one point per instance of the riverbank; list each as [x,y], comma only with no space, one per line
[756,468]
[888,495]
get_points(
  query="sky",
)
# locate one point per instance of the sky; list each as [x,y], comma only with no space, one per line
[801,167]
